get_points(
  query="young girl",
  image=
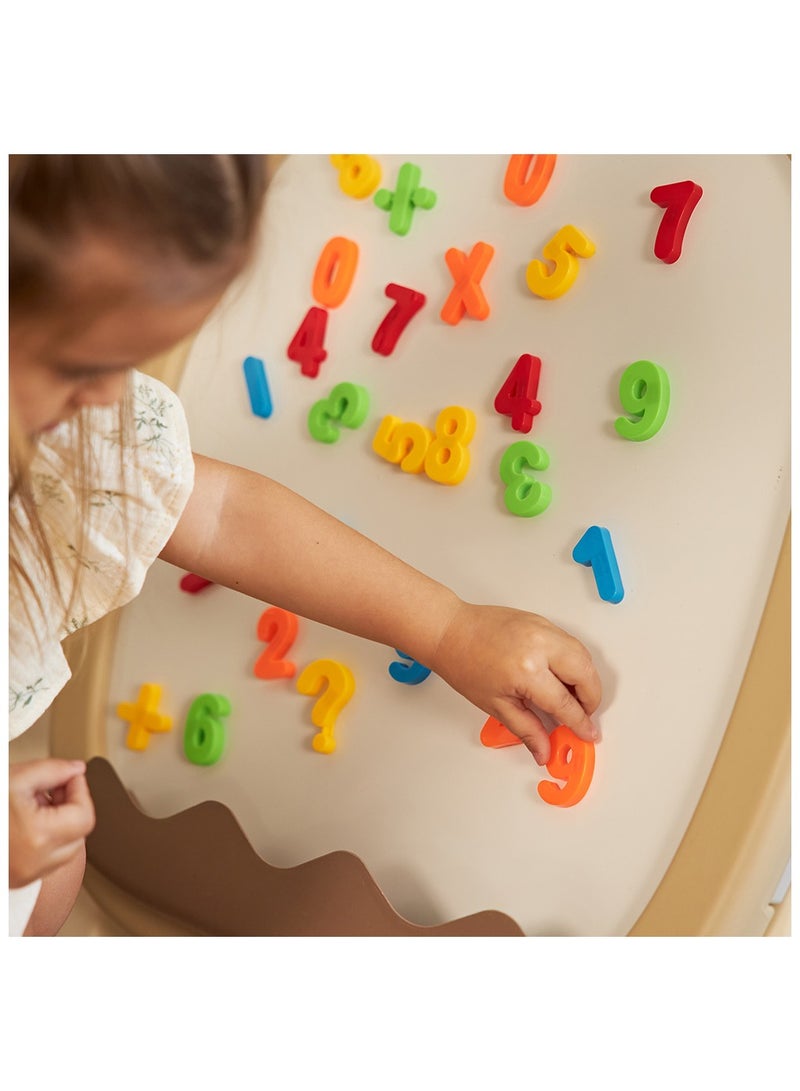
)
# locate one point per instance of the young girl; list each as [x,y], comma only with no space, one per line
[114,259]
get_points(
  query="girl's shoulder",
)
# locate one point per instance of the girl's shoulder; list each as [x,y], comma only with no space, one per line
[108,491]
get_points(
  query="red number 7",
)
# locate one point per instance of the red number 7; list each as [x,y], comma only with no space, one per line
[679,199]
[407,303]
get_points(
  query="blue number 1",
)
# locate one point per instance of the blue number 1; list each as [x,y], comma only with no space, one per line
[595,550]
[257,386]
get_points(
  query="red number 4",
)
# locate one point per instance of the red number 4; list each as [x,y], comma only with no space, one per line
[516,398]
[679,199]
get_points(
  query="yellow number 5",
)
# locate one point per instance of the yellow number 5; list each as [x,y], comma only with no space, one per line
[564,249]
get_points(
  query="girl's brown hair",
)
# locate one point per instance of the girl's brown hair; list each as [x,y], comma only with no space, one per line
[197,210]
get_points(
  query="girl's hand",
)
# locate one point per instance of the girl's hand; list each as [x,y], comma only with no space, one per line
[50,812]
[514,665]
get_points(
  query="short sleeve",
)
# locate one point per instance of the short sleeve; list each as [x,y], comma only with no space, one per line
[128,488]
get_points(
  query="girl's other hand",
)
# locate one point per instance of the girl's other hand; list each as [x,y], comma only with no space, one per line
[50,813]
[515,665]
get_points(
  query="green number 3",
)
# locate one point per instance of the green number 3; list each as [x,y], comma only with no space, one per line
[346,404]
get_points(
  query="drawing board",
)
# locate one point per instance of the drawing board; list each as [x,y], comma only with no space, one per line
[695,515]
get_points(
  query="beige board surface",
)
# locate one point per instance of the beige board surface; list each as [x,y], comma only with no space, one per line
[697,515]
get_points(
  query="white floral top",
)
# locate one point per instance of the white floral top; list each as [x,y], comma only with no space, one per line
[119,544]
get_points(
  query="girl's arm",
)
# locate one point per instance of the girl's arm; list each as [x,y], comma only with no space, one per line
[250,533]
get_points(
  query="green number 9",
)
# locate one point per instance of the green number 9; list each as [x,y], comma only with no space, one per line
[644,393]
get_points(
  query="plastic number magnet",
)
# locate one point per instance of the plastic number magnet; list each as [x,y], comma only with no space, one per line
[359,175]
[278,628]
[204,733]
[496,735]
[516,398]
[192,583]
[679,199]
[257,386]
[407,304]
[402,441]
[347,404]
[527,177]
[524,495]
[644,393]
[333,276]
[564,249]
[307,346]
[409,672]
[596,551]
[572,760]
[447,458]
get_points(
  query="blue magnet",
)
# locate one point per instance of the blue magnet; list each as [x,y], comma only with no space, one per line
[257,386]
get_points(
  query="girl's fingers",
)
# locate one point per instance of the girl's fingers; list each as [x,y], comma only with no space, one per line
[575,669]
[553,697]
[525,724]
[75,817]
[44,775]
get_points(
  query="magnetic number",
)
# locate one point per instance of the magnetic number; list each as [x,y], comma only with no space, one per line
[347,404]
[257,386]
[279,629]
[402,442]
[359,175]
[525,496]
[571,760]
[409,672]
[644,393]
[527,177]
[496,735]
[595,550]
[192,583]
[447,458]
[516,398]
[333,276]
[204,733]
[443,455]
[306,347]
[679,199]
[564,249]
[407,304]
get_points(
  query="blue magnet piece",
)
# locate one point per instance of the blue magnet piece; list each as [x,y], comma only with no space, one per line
[257,386]
[595,550]
[410,673]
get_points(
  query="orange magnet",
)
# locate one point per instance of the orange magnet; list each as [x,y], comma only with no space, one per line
[572,760]
[494,734]
[527,177]
[467,296]
[333,276]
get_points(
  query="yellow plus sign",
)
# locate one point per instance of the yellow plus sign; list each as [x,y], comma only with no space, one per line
[144,716]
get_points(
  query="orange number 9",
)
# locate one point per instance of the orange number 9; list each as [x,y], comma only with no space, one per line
[572,760]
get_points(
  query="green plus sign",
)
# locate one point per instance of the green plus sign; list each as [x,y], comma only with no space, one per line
[408,195]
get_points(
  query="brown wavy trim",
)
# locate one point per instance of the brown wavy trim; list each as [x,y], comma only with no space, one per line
[198,867]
